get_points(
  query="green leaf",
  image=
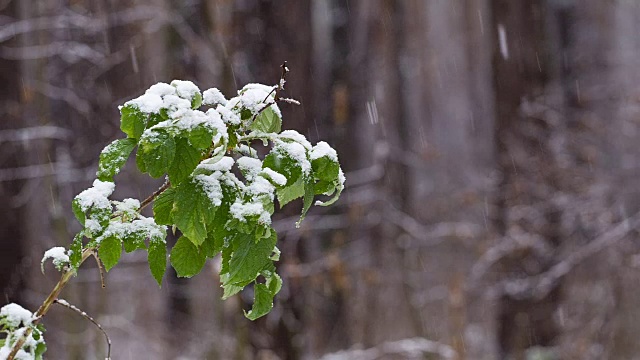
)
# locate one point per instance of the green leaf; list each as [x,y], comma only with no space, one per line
[157,260]
[41,348]
[274,282]
[185,161]
[267,121]
[217,231]
[113,157]
[134,241]
[132,121]
[325,168]
[324,187]
[196,101]
[75,254]
[284,165]
[110,251]
[233,137]
[245,114]
[249,257]
[200,136]
[290,192]
[186,259]
[162,206]
[230,290]
[191,211]
[156,152]
[264,294]
[140,163]
[262,302]
[77,211]
[292,171]
[307,201]
[154,119]
[339,187]
[102,215]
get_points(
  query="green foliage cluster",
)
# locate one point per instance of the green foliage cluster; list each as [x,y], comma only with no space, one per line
[14,321]
[219,194]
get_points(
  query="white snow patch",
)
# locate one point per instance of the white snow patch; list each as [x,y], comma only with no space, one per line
[241,211]
[260,186]
[185,89]
[148,103]
[128,206]
[256,96]
[295,151]
[92,225]
[228,117]
[275,176]
[249,166]
[161,89]
[144,225]
[175,105]
[213,96]
[211,186]
[57,254]
[323,149]
[148,226]
[224,164]
[16,314]
[341,178]
[96,195]
[295,136]
[215,121]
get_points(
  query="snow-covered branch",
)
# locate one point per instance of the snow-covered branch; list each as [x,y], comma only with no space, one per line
[414,348]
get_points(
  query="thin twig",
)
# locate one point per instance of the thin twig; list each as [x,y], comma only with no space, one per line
[278,88]
[67,274]
[66,304]
[538,286]
[153,196]
[101,269]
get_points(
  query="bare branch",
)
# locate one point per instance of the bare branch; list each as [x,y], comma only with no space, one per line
[34,133]
[99,263]
[42,170]
[66,304]
[540,285]
[431,235]
[413,347]
[152,197]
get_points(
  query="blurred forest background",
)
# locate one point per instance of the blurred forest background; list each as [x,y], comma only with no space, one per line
[491,150]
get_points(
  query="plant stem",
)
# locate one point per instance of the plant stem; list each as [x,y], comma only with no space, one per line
[153,196]
[44,308]
[67,274]
[86,316]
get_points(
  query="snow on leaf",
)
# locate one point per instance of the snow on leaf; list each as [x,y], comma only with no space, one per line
[185,89]
[250,167]
[295,136]
[228,116]
[96,196]
[113,157]
[147,103]
[276,177]
[322,149]
[58,255]
[15,315]
[213,97]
